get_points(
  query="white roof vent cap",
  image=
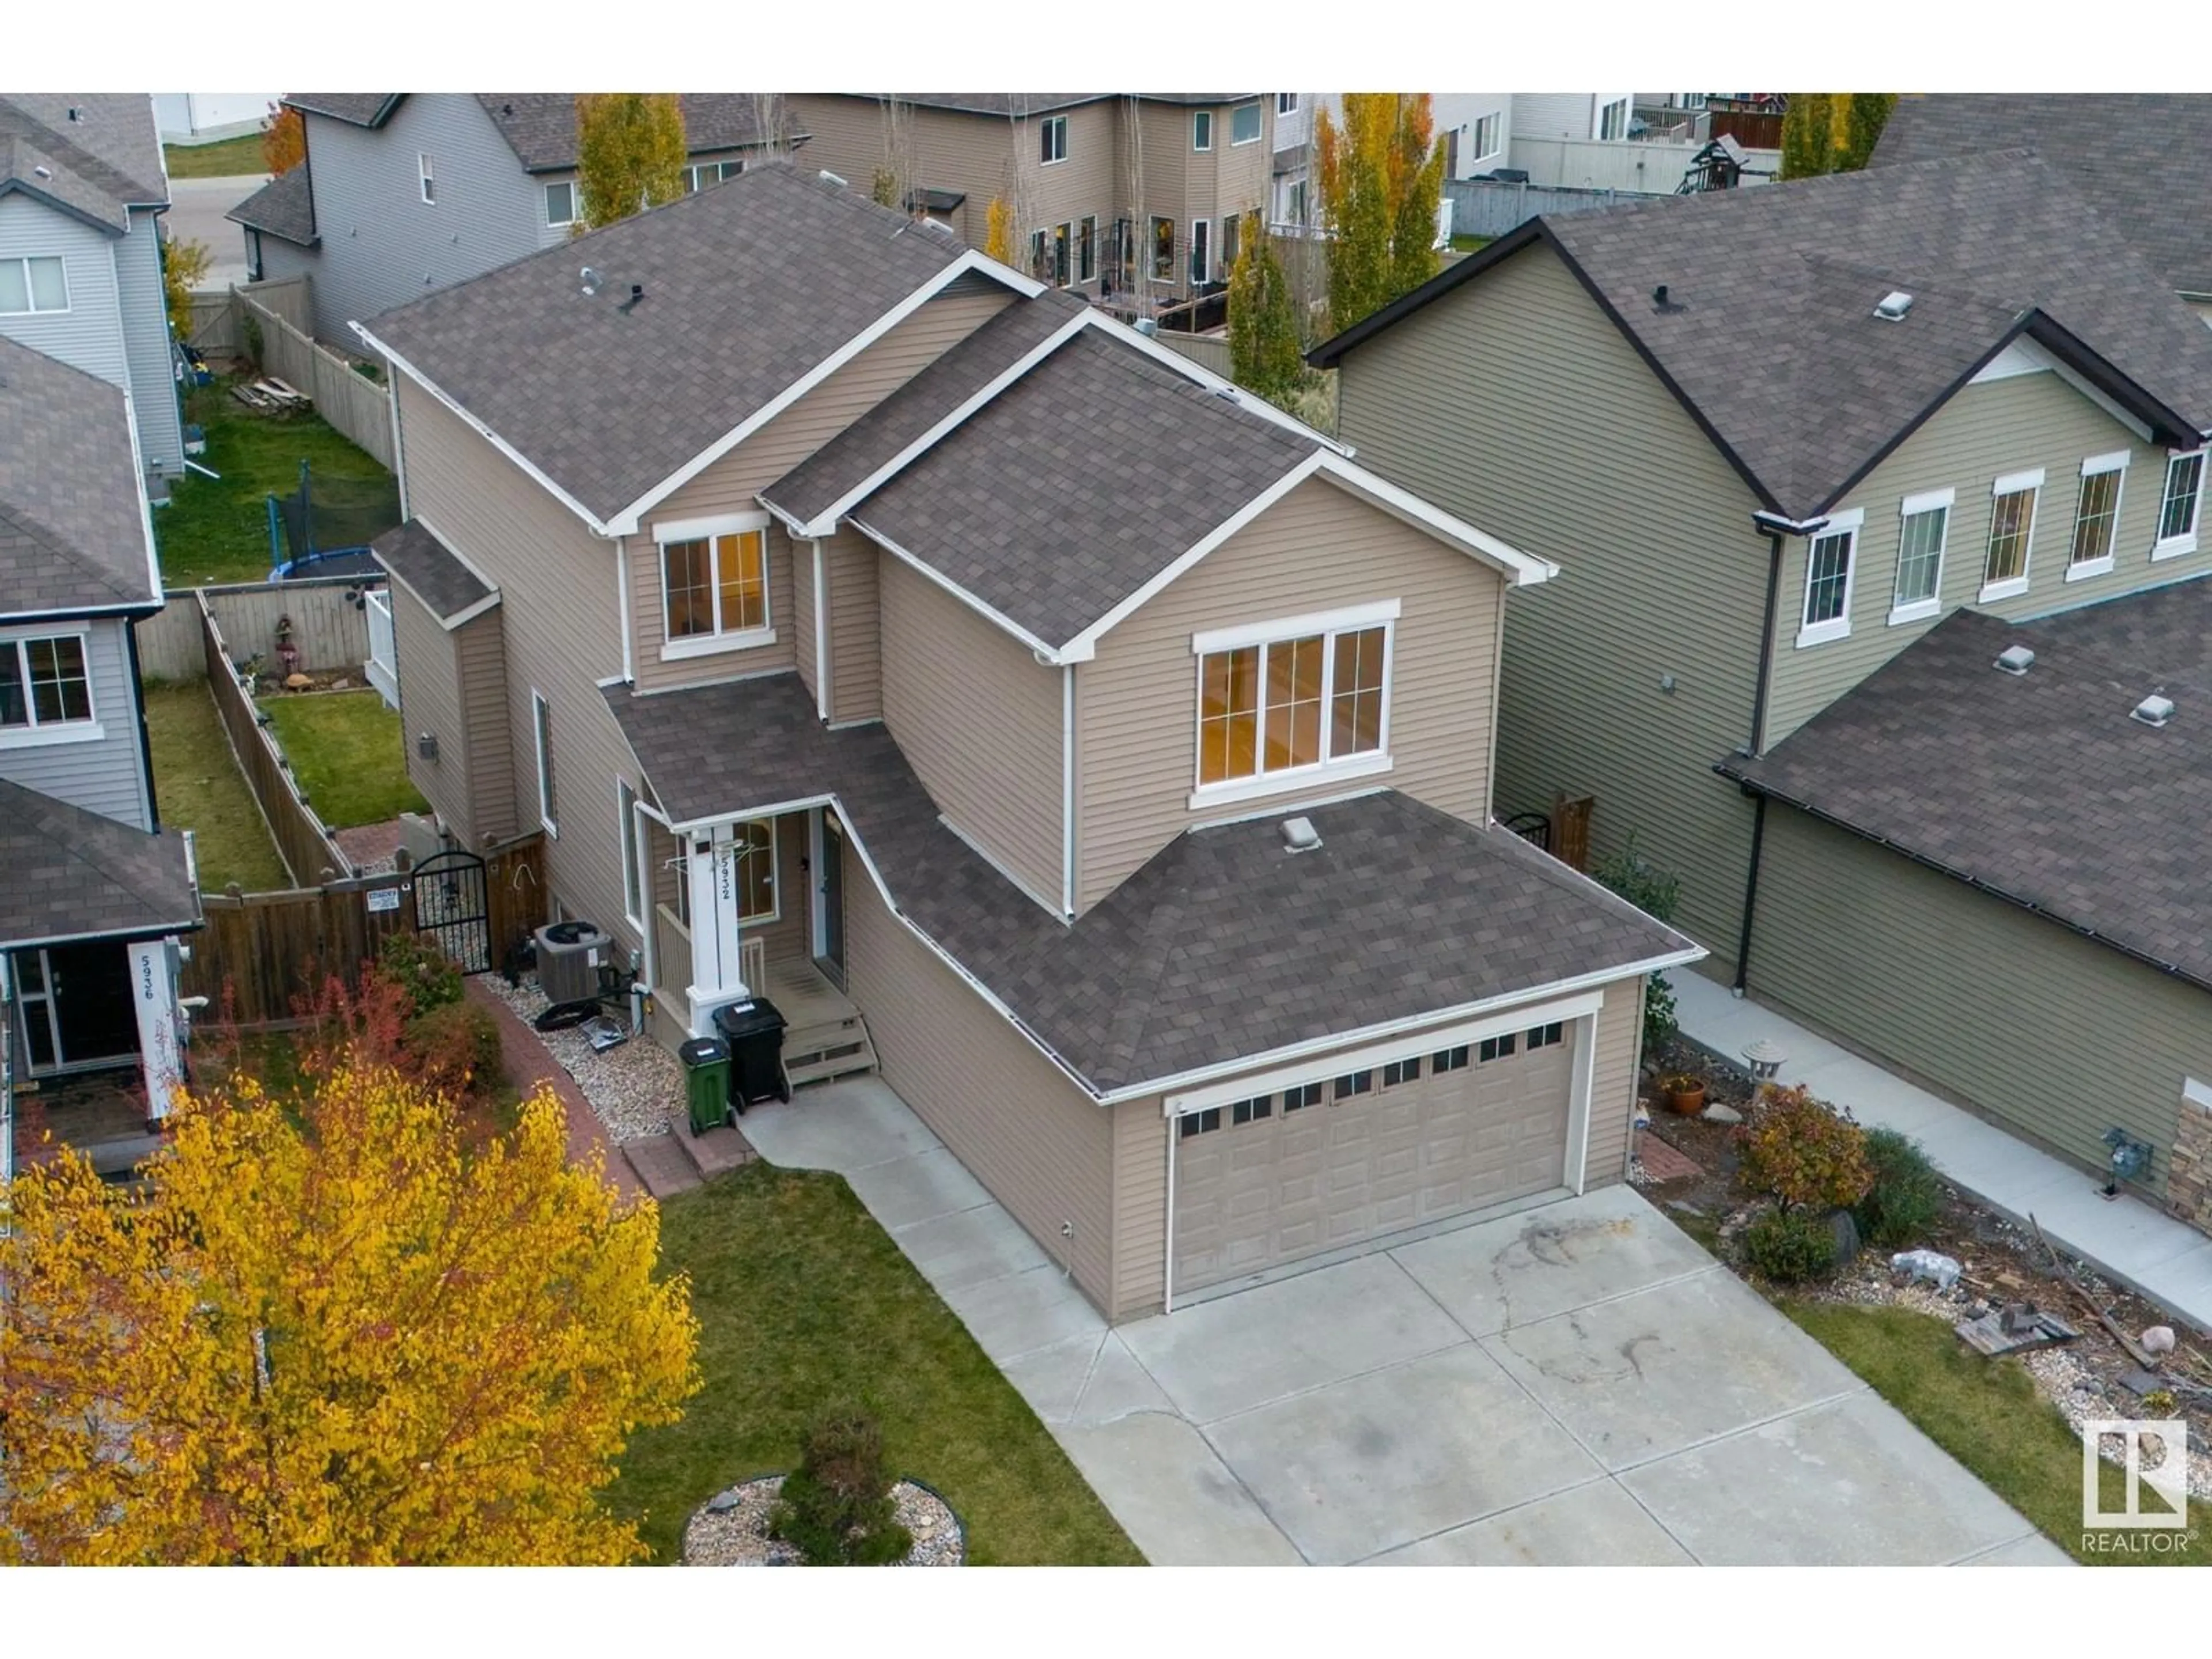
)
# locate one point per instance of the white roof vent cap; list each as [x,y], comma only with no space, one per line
[2014,659]
[1300,835]
[1894,304]
[2155,709]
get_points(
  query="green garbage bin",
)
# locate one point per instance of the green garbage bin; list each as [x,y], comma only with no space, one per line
[707,1082]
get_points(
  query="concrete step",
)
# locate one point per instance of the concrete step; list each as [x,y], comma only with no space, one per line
[710,1154]
[831,1048]
[662,1166]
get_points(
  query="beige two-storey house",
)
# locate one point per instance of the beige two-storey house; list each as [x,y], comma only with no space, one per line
[1816,458]
[1122,787]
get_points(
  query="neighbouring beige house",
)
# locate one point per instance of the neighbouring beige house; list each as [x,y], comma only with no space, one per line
[1136,198]
[1825,462]
[1120,787]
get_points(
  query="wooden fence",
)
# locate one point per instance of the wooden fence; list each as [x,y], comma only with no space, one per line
[331,630]
[262,955]
[307,848]
[1206,350]
[281,314]
[217,317]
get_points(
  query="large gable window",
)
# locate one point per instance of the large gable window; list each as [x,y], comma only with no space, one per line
[1283,703]
[2177,511]
[2012,529]
[2097,515]
[1926,526]
[45,691]
[1828,570]
[715,585]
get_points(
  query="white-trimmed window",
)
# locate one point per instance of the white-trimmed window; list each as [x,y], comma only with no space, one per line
[34,284]
[1284,704]
[1484,135]
[1086,249]
[1612,120]
[1201,128]
[1063,253]
[1163,249]
[1053,139]
[2012,534]
[754,852]
[715,585]
[1201,245]
[1830,567]
[1923,527]
[428,176]
[45,691]
[1287,103]
[1232,228]
[2180,507]
[633,861]
[2097,515]
[561,203]
[1244,123]
[541,728]
[701,174]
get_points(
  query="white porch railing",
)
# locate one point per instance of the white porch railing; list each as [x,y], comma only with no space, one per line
[383,664]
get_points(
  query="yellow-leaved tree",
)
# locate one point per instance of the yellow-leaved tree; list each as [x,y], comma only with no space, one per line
[998,231]
[630,152]
[331,1332]
[1381,176]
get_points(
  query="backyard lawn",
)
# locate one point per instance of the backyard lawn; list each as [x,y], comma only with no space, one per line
[804,1303]
[216,530]
[197,787]
[228,158]
[349,754]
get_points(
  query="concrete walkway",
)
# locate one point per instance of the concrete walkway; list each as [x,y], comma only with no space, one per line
[1578,1384]
[2123,1238]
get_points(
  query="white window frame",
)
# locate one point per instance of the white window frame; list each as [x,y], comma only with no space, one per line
[575,213]
[426,178]
[31,307]
[43,734]
[1848,525]
[541,744]
[721,641]
[1947,503]
[635,894]
[1151,249]
[1197,116]
[1495,122]
[2096,466]
[1259,124]
[1287,103]
[774,912]
[1201,253]
[1054,125]
[1086,249]
[1608,109]
[1351,619]
[2013,484]
[2173,547]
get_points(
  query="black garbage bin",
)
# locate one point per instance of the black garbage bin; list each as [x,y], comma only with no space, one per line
[754,1030]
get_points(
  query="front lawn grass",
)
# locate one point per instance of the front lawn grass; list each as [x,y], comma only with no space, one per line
[216,530]
[1986,1413]
[197,787]
[227,158]
[803,1302]
[349,754]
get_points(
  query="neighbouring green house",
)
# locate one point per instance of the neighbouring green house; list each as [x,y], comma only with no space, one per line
[1816,458]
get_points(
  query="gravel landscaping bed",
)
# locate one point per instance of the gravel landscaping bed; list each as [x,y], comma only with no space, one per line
[731,1529]
[635,1088]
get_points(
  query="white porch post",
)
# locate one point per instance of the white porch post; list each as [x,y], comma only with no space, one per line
[154,995]
[717,976]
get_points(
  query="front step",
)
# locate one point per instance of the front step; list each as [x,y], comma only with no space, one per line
[829,1049]
[720,1149]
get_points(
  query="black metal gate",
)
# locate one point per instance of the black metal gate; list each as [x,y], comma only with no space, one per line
[451,906]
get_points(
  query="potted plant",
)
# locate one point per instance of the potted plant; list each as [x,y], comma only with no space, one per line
[1684,1093]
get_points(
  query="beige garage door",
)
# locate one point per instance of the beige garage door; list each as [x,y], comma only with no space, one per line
[1342,1159]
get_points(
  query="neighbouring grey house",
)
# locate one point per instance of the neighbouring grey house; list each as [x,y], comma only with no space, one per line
[1155,869]
[82,186]
[402,193]
[1815,456]
[2141,157]
[95,893]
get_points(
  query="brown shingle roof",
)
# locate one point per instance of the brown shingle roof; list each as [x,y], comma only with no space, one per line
[72,529]
[284,207]
[430,569]
[99,151]
[540,127]
[74,874]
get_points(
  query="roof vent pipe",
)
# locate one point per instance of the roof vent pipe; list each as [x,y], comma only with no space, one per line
[2155,709]
[2014,659]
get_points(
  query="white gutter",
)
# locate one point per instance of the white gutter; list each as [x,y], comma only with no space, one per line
[1067,789]
[822,702]
[622,604]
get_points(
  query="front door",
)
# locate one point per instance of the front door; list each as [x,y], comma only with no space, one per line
[77,1006]
[829,878]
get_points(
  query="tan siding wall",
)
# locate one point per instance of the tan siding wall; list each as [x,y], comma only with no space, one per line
[1986,431]
[672,943]
[2034,1027]
[1317,548]
[803,602]
[1613,1085]
[731,484]
[430,701]
[1027,1133]
[481,647]
[980,721]
[1140,1207]
[856,666]
[563,633]
[1514,402]
[1067,191]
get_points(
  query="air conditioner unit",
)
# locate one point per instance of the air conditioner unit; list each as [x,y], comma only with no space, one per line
[568,958]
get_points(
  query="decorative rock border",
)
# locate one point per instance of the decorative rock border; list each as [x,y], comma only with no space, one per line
[731,1529]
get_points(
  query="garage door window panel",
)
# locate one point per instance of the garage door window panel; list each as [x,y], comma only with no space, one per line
[1353,1084]
[1252,1111]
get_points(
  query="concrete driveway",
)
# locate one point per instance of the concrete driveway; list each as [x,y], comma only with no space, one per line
[196,207]
[1576,1384]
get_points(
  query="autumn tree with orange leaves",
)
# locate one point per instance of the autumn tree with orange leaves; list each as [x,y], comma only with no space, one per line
[283,138]
[1381,175]
[330,1331]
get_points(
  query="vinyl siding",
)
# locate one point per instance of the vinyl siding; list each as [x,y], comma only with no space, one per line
[671,942]
[1613,1085]
[804,602]
[856,664]
[733,483]
[1514,402]
[2042,1031]
[1999,427]
[481,647]
[382,244]
[980,721]
[561,634]
[89,334]
[1318,548]
[104,774]
[146,346]
[1140,1208]
[1043,1148]
[430,702]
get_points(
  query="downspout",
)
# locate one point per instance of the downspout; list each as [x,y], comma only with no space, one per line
[622,607]
[145,740]
[1759,696]
[1750,894]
